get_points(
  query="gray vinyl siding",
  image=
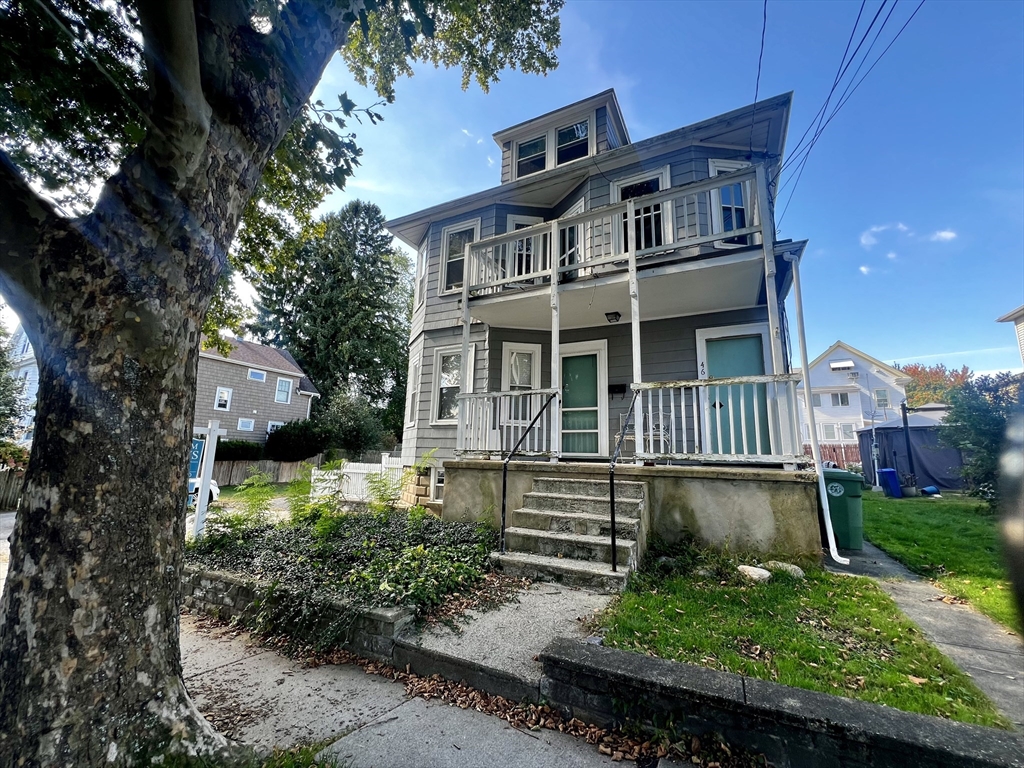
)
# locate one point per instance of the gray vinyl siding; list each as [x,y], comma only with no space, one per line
[249,399]
[601,130]
[506,162]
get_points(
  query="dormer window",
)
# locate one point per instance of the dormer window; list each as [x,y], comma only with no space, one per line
[573,142]
[531,156]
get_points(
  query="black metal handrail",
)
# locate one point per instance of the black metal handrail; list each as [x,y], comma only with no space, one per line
[504,465]
[611,475]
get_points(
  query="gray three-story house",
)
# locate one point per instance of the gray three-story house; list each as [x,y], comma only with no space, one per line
[609,296]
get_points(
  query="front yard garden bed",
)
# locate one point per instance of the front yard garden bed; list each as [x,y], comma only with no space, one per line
[952,541]
[311,579]
[828,633]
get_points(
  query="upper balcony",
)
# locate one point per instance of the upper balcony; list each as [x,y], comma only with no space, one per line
[701,221]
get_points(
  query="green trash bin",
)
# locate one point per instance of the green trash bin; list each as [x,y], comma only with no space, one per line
[846,505]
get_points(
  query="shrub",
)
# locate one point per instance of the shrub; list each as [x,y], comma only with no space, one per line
[238,450]
[296,441]
[12,455]
[351,423]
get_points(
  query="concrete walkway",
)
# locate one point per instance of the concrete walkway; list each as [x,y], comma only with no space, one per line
[992,655]
[256,696]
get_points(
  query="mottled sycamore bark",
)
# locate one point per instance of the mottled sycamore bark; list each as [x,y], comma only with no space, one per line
[90,670]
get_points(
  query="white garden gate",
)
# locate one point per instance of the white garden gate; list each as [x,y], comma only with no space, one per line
[349,482]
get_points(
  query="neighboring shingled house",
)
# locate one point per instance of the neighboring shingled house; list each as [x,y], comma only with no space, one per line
[252,391]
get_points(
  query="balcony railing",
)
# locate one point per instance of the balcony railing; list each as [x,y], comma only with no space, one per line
[746,418]
[492,423]
[720,211]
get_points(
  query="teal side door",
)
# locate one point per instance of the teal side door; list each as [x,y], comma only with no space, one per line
[580,407]
[726,358]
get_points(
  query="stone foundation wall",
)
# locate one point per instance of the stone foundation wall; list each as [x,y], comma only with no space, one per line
[757,510]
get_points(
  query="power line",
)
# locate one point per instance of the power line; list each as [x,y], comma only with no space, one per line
[848,94]
[757,83]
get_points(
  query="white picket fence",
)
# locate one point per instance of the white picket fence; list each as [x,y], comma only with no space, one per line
[349,482]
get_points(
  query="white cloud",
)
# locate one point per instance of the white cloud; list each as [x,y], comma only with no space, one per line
[865,270]
[490,161]
[479,141]
[868,239]
[943,236]
[902,227]
[891,255]
[470,135]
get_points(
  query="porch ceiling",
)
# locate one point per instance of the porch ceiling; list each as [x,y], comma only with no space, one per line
[677,290]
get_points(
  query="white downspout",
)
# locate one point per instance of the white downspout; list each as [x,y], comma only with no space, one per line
[815,448]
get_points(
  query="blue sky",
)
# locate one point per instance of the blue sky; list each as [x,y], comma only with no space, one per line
[912,199]
[932,142]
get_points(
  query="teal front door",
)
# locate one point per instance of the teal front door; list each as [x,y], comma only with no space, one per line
[737,415]
[580,405]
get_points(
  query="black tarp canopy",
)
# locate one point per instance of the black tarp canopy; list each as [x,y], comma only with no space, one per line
[934,464]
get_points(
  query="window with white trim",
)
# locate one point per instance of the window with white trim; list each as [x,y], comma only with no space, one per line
[828,432]
[816,400]
[246,425]
[573,142]
[454,240]
[840,399]
[558,145]
[273,425]
[805,429]
[649,222]
[413,398]
[729,205]
[222,400]
[846,431]
[447,378]
[882,398]
[437,484]
[255,375]
[283,393]
[531,156]
[520,367]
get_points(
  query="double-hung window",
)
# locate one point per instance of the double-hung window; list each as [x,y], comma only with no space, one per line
[283,393]
[414,394]
[729,205]
[847,432]
[840,399]
[531,156]
[816,400]
[573,142]
[454,240]
[828,432]
[882,398]
[222,400]
[648,228]
[520,372]
[448,372]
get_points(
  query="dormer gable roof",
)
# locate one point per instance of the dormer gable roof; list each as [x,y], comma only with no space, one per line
[604,99]
[844,349]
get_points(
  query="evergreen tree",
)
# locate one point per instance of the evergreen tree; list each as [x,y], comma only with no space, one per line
[340,304]
[12,407]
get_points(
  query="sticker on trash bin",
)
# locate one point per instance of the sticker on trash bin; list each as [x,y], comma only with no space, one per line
[834,489]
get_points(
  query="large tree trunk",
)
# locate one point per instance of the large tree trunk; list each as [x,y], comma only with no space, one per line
[89,656]
[90,669]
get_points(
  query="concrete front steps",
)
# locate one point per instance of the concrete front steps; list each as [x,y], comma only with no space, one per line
[563,533]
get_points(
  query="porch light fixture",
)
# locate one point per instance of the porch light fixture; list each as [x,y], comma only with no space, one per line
[612,317]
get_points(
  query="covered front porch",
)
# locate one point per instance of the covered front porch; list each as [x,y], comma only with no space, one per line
[660,326]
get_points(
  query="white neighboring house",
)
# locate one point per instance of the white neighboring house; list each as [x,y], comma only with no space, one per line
[25,369]
[1017,318]
[849,390]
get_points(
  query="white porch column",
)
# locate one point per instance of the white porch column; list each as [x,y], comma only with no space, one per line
[556,383]
[815,448]
[466,372]
[634,325]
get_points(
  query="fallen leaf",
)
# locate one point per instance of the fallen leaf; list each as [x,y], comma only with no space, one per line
[917,680]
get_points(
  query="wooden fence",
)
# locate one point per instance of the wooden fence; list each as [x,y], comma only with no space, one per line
[11,482]
[837,452]
[234,472]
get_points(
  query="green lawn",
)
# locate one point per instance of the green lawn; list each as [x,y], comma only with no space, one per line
[953,541]
[830,633]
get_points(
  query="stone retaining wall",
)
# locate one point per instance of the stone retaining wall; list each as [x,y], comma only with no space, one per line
[793,727]
[231,597]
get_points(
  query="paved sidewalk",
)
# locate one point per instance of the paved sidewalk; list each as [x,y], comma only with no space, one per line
[989,653]
[261,698]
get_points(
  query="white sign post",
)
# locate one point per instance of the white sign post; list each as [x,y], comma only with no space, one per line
[212,432]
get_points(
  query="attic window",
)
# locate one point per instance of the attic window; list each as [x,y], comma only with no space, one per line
[531,156]
[573,142]
[840,365]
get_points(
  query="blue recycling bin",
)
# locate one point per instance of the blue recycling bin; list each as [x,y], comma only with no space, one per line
[890,482]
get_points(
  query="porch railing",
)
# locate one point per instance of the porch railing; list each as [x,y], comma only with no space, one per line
[494,422]
[740,419]
[720,211]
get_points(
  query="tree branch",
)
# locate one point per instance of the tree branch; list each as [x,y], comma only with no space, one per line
[180,114]
[24,217]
